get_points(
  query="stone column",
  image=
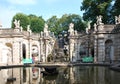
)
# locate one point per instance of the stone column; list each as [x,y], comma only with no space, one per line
[101,49]
[78,50]
[95,50]
[39,52]
[16,52]
[30,49]
[21,55]
[16,74]
[72,76]
[71,48]
[46,50]
[101,75]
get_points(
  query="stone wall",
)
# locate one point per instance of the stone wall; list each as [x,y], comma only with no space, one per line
[23,42]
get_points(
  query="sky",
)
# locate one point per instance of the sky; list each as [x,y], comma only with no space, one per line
[44,8]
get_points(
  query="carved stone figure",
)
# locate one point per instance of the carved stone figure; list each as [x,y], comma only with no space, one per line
[71,30]
[71,25]
[45,27]
[28,29]
[95,27]
[99,19]
[17,23]
[21,28]
[76,32]
[89,25]
[46,30]
[117,19]
[88,28]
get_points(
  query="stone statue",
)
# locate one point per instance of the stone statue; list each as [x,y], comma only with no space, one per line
[46,30]
[28,28]
[71,25]
[45,27]
[95,27]
[76,32]
[99,19]
[21,28]
[71,30]
[17,23]
[89,25]
[117,19]
[41,34]
[87,30]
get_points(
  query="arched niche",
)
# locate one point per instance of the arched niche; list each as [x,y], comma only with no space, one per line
[24,51]
[83,49]
[35,53]
[109,51]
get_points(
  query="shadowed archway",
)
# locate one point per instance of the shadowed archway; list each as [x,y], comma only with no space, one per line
[109,50]
[24,51]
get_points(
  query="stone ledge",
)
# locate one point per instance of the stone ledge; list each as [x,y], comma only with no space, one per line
[54,65]
[115,67]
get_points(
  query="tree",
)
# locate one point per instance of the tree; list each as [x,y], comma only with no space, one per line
[94,8]
[66,19]
[36,23]
[115,9]
[53,24]
[58,25]
[79,24]
[24,20]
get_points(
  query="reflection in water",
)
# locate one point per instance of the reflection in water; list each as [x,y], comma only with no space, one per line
[24,76]
[67,75]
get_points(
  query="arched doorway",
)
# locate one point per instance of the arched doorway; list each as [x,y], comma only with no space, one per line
[83,50]
[35,53]
[109,52]
[24,51]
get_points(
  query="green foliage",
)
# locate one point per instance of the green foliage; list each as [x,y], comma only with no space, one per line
[79,25]
[57,25]
[116,8]
[53,24]
[94,8]
[115,11]
[24,20]
[36,23]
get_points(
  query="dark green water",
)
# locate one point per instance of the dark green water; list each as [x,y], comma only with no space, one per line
[66,75]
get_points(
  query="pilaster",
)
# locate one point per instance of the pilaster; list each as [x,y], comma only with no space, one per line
[16,52]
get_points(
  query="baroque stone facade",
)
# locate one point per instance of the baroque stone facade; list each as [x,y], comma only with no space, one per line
[103,43]
[17,44]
